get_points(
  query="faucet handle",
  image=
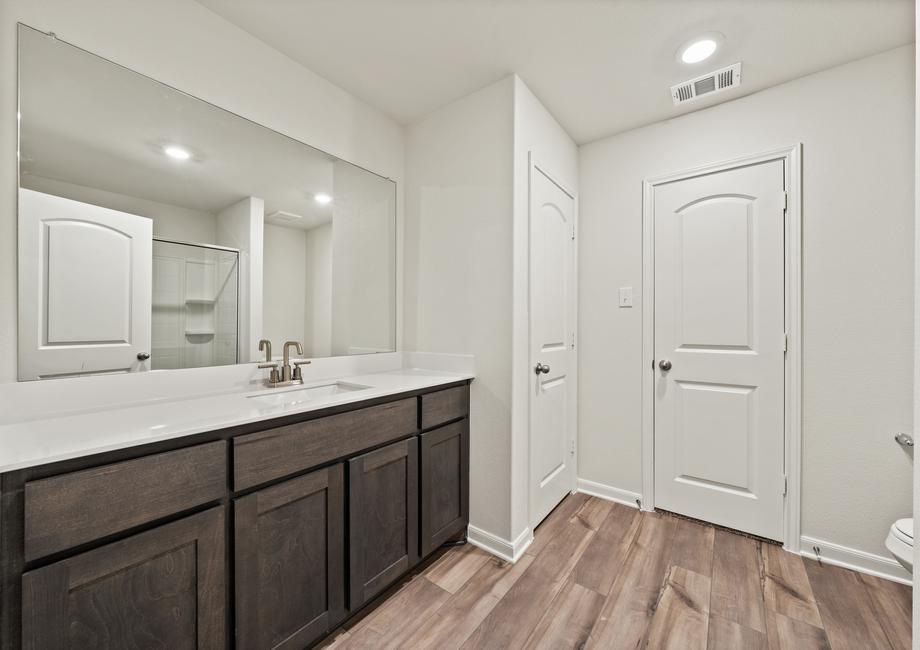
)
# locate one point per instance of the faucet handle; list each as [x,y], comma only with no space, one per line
[273,377]
[298,374]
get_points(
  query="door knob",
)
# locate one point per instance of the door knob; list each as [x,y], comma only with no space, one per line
[904,439]
[541,368]
[665,365]
[143,356]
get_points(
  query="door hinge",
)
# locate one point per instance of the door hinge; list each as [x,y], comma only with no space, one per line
[573,340]
[785,342]
[573,232]
[785,200]
[785,484]
[572,448]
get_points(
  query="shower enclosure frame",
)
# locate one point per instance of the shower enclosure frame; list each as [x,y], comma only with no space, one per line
[225,249]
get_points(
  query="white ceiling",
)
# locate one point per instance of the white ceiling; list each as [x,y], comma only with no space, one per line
[600,66]
[95,124]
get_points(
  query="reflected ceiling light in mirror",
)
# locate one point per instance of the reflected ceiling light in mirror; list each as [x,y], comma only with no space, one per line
[176,152]
[699,49]
[322,198]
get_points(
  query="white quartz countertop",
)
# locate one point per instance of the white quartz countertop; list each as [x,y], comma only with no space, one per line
[39,441]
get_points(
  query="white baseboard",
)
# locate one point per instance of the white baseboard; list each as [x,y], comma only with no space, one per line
[510,551]
[608,492]
[851,558]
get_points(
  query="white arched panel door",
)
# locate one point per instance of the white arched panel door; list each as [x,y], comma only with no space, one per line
[552,308]
[84,288]
[719,348]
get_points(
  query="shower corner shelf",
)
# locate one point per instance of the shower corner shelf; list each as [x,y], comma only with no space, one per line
[199,332]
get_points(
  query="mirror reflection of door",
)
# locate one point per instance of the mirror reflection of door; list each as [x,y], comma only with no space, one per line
[84,288]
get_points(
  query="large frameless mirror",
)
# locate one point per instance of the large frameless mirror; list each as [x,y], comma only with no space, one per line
[158,231]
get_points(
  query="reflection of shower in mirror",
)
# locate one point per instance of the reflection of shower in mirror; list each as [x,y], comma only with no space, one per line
[195,305]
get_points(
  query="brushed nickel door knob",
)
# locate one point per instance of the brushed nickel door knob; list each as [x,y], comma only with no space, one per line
[541,368]
[665,365]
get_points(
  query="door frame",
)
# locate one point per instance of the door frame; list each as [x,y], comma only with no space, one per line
[792,158]
[533,165]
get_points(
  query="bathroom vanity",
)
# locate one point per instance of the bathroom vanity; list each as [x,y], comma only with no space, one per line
[267,534]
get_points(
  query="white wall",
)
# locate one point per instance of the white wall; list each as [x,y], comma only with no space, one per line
[242,226]
[181,43]
[284,285]
[363,263]
[317,338]
[536,132]
[169,221]
[858,294]
[458,271]
[467,224]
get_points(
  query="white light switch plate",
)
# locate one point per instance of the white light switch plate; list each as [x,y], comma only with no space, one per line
[626,299]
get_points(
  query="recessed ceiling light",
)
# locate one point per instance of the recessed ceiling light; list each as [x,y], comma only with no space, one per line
[699,50]
[322,198]
[176,152]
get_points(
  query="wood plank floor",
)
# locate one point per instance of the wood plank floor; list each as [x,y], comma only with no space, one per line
[602,575]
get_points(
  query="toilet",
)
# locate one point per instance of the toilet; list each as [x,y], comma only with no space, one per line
[901,542]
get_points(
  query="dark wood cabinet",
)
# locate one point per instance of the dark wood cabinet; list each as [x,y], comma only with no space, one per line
[163,588]
[444,405]
[274,453]
[289,561]
[445,469]
[383,518]
[266,535]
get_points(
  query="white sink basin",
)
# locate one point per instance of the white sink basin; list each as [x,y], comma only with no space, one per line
[303,394]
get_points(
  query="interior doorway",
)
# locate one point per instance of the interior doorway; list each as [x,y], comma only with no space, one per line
[721,339]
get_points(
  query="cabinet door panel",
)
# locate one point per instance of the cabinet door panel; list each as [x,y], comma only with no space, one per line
[383,515]
[445,462]
[161,588]
[290,571]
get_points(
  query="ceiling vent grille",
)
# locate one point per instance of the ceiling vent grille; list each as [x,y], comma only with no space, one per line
[280,216]
[707,84]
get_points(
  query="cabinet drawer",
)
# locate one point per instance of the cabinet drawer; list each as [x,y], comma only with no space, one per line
[267,455]
[72,509]
[445,405]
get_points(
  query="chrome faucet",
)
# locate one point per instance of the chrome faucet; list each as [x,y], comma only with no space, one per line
[286,374]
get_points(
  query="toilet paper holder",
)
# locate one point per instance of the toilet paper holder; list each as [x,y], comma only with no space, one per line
[904,439]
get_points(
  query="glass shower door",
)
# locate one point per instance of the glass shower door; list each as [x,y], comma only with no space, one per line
[195,305]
